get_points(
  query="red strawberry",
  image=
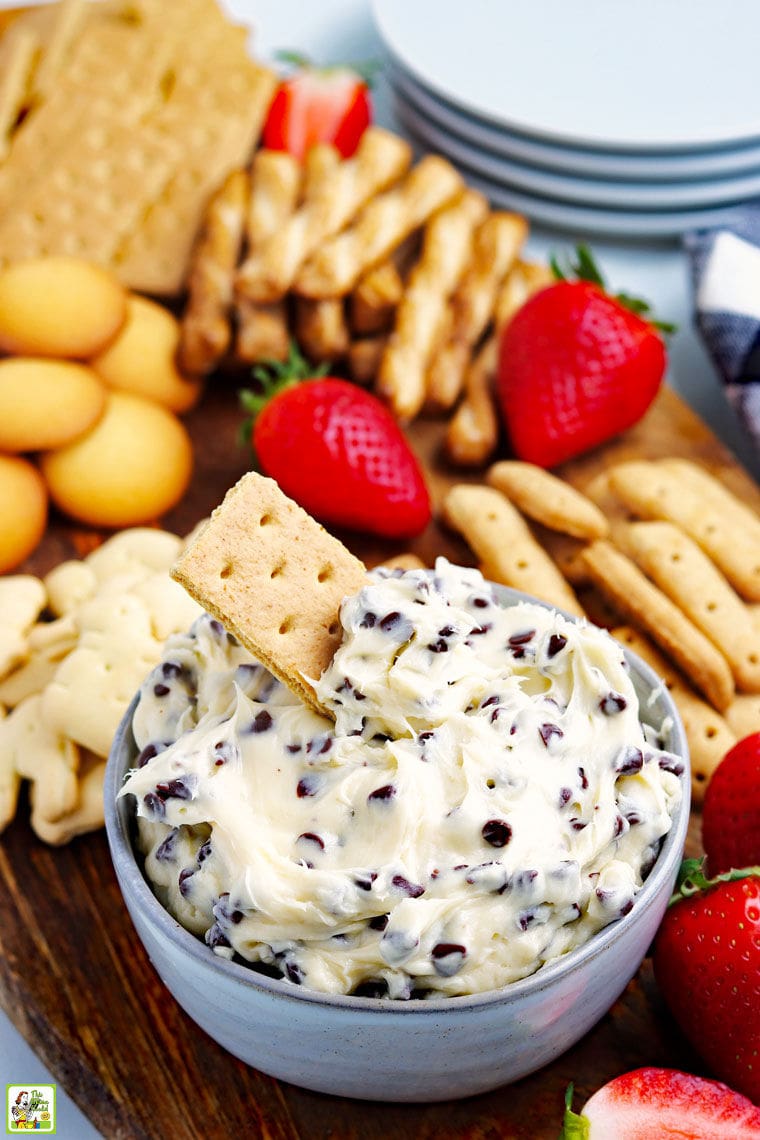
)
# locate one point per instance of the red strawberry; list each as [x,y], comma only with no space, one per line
[318,105]
[650,1103]
[731,811]
[337,451]
[707,965]
[576,367]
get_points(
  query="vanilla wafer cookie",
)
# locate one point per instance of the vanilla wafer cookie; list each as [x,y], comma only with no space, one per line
[708,734]
[498,534]
[380,159]
[446,253]
[548,499]
[726,529]
[275,579]
[684,572]
[497,243]
[385,222]
[645,606]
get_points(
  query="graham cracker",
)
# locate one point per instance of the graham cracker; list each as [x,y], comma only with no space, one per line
[17,66]
[275,579]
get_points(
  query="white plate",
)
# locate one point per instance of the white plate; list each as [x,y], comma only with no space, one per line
[660,74]
[723,162]
[566,187]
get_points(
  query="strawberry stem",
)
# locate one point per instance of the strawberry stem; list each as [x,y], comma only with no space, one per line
[366,70]
[273,377]
[692,879]
[574,1126]
[584,268]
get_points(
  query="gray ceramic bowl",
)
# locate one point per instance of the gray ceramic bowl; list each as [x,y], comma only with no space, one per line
[418,1050]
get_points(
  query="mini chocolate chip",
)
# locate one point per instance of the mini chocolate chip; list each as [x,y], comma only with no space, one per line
[629,760]
[447,631]
[633,818]
[225,751]
[620,825]
[524,880]
[165,849]
[496,832]
[293,748]
[215,936]
[308,785]
[203,852]
[155,805]
[480,603]
[672,764]
[565,795]
[557,643]
[413,890]
[626,908]
[612,704]
[584,778]
[171,669]
[548,730]
[311,837]
[379,922]
[181,788]
[439,646]
[148,752]
[448,958]
[425,736]
[371,988]
[183,879]
[521,638]
[387,792]
[262,721]
[368,621]
[492,700]
[294,973]
[364,882]
[216,627]
[390,620]
[578,824]
[161,690]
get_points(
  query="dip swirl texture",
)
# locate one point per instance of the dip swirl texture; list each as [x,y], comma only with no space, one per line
[486,800]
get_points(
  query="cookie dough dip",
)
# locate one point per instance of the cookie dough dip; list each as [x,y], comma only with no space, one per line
[485,800]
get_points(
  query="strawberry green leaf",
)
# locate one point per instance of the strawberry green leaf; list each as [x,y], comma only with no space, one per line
[692,880]
[273,377]
[584,268]
[574,1127]
[367,69]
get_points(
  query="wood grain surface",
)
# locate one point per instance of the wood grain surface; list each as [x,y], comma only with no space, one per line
[78,985]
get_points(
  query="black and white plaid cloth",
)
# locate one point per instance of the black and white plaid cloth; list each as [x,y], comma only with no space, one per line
[725,266]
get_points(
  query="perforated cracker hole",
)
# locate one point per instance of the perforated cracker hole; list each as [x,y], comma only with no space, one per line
[265,520]
[711,607]
[326,572]
[286,625]
[333,628]
[675,558]
[226,570]
[278,569]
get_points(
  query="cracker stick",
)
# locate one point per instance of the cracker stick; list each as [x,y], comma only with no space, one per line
[373,302]
[724,527]
[321,328]
[497,244]
[743,715]
[473,431]
[274,578]
[645,606]
[500,537]
[708,734]
[381,158]
[262,330]
[446,252]
[17,65]
[388,219]
[548,499]
[364,356]
[684,572]
[205,330]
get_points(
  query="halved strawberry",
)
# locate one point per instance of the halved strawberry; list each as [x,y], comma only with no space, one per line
[651,1104]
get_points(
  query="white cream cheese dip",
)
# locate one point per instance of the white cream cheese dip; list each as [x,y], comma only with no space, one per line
[486,799]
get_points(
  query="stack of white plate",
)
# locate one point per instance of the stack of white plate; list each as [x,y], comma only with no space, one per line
[639,120]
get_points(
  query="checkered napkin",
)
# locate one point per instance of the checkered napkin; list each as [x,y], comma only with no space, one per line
[725,267]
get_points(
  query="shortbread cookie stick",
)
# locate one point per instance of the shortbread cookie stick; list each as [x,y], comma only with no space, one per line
[274,578]
[646,607]
[275,186]
[743,715]
[500,537]
[547,499]
[385,222]
[206,328]
[707,732]
[657,491]
[381,158]
[446,252]
[690,579]
[497,244]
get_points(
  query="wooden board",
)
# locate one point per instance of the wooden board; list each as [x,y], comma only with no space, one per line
[78,985]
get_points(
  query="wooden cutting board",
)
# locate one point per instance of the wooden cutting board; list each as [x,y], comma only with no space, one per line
[78,985]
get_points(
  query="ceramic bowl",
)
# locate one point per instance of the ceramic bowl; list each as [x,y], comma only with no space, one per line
[418,1050]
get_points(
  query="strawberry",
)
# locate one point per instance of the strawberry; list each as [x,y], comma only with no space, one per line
[731,811]
[318,105]
[576,367]
[707,964]
[336,450]
[650,1103]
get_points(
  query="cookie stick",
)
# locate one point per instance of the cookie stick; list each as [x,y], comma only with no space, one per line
[473,431]
[499,536]
[262,330]
[375,298]
[205,329]
[380,160]
[645,606]
[446,252]
[547,499]
[497,244]
[382,225]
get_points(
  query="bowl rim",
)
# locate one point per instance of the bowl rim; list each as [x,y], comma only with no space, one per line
[125,860]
